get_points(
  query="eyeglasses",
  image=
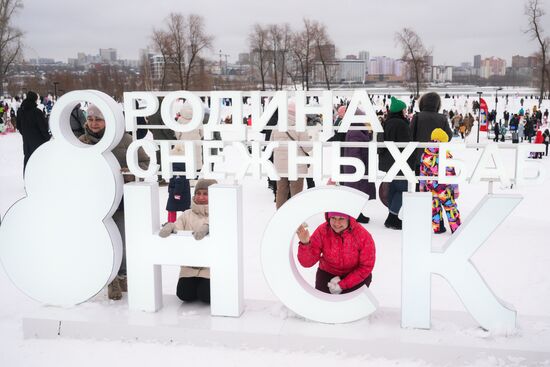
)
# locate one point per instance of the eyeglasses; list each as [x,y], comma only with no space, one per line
[94,119]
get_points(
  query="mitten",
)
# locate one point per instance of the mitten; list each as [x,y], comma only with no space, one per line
[201,232]
[333,286]
[167,230]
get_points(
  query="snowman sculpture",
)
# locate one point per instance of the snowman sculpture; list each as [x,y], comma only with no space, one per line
[59,244]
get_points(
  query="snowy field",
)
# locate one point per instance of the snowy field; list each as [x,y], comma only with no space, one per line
[514,262]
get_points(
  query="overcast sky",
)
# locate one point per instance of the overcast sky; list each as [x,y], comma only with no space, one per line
[455,30]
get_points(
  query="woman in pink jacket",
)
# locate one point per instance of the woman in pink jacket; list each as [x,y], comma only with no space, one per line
[345,252]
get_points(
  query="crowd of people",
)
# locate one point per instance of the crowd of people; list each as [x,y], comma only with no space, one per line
[342,245]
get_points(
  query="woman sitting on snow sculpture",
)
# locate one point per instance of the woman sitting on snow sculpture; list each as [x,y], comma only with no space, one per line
[194,282]
[345,252]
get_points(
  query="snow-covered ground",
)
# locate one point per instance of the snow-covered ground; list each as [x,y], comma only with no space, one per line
[514,262]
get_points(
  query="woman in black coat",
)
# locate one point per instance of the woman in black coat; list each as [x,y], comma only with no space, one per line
[32,125]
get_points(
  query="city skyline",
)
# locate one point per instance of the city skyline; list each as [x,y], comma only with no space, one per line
[349,25]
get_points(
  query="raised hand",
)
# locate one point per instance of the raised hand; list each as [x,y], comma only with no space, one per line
[303,234]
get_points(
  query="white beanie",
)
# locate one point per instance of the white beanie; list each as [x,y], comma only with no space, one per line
[186,113]
[94,111]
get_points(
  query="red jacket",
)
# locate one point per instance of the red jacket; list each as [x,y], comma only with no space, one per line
[350,254]
[539,139]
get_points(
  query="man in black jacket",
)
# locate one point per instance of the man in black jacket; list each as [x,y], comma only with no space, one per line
[396,129]
[32,125]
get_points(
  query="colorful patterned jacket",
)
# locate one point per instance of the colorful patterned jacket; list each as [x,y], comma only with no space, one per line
[429,167]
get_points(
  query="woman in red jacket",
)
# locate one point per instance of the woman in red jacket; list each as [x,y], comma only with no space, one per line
[345,252]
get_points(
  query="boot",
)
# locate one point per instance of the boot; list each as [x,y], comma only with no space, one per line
[123,282]
[362,219]
[393,222]
[441,229]
[113,290]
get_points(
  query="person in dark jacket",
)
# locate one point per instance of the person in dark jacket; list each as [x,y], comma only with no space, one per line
[429,118]
[396,129]
[425,121]
[179,193]
[32,125]
[77,121]
[365,186]
[496,130]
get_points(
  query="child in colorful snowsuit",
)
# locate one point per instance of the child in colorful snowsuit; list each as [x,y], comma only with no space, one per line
[443,195]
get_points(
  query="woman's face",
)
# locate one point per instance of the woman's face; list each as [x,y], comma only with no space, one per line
[201,197]
[338,224]
[95,124]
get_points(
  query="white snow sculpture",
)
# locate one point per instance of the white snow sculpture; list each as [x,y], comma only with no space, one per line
[279,267]
[59,244]
[452,262]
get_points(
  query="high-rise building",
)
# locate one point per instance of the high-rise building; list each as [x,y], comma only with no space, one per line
[244,59]
[364,55]
[107,55]
[524,62]
[477,61]
[429,60]
[381,65]
[492,66]
[157,66]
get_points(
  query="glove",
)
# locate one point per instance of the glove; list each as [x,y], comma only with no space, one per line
[333,286]
[167,230]
[201,232]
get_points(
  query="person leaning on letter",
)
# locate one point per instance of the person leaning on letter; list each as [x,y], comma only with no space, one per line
[194,282]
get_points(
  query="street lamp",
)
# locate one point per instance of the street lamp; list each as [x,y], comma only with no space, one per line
[479,115]
[55,89]
[496,103]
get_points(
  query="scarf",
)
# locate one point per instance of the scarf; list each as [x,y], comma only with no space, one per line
[90,137]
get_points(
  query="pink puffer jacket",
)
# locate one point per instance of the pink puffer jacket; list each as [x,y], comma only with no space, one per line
[350,254]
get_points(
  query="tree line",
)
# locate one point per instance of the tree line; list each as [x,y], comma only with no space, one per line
[278,55]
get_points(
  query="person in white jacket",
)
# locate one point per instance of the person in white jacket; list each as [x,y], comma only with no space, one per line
[194,282]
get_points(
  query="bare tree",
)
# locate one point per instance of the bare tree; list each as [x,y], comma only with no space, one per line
[10,38]
[534,13]
[414,53]
[145,72]
[275,39]
[198,40]
[161,44]
[323,48]
[298,59]
[182,42]
[176,46]
[259,47]
[307,42]
[286,39]
[303,53]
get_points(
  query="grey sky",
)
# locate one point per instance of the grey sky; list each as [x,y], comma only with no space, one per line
[454,30]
